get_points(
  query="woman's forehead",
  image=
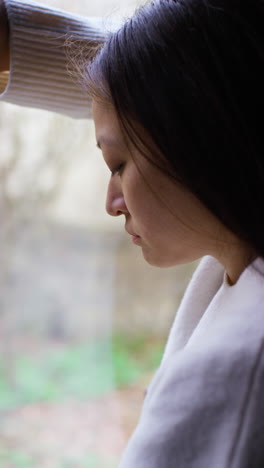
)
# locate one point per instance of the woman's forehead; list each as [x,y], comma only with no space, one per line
[107,127]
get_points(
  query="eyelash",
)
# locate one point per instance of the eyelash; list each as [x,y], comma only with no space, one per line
[117,169]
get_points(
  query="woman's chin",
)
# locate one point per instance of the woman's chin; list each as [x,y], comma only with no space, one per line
[157,260]
[169,259]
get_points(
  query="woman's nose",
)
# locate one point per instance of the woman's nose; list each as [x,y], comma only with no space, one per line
[115,202]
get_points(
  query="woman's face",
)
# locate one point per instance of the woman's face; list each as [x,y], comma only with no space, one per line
[169,224]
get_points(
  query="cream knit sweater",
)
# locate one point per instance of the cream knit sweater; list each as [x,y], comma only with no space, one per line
[39,63]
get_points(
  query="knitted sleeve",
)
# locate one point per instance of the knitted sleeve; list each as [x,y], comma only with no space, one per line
[39,75]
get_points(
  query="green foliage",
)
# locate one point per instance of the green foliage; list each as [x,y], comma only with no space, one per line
[19,459]
[134,357]
[16,459]
[80,371]
[95,461]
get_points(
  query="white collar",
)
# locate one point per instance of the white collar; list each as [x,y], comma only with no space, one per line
[209,290]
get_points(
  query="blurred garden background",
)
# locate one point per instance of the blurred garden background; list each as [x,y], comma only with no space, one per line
[83,320]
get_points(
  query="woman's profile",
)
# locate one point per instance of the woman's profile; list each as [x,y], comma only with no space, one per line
[177,96]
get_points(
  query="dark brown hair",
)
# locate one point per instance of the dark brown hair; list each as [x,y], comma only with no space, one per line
[190,74]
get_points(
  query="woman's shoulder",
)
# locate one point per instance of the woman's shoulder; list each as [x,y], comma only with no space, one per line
[224,358]
[204,408]
[234,317]
[205,404]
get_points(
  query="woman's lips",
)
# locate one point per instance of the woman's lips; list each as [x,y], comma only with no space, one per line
[136,239]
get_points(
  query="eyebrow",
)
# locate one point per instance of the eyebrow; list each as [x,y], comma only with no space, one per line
[106,141]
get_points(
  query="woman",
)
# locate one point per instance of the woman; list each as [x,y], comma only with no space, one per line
[177,93]
[177,97]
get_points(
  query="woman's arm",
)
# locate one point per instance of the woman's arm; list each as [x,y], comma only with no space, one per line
[39,74]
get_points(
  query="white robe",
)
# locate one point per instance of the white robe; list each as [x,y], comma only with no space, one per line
[205,405]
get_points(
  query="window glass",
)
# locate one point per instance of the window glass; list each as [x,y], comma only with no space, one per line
[83,320]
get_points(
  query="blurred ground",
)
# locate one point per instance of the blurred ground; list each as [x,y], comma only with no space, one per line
[71,434]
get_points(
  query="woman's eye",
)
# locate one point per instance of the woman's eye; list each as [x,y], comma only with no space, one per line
[117,169]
